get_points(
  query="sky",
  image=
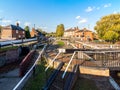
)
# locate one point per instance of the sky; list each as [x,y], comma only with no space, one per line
[47,14]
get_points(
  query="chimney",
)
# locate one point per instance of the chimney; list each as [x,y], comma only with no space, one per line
[17,24]
[77,28]
[74,28]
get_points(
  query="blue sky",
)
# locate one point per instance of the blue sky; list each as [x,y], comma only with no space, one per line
[47,14]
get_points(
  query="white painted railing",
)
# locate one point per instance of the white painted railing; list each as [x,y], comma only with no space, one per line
[25,76]
[73,46]
[86,44]
[68,65]
[52,61]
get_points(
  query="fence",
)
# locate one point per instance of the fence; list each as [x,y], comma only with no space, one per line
[107,59]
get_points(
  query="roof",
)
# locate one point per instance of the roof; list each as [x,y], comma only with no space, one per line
[69,30]
[76,29]
[84,30]
[13,27]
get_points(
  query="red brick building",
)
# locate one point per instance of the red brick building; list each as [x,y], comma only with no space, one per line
[12,32]
[33,33]
[82,34]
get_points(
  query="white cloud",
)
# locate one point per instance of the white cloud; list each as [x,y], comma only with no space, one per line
[82,21]
[45,27]
[89,9]
[19,22]
[115,12]
[98,8]
[27,23]
[107,5]
[3,25]
[5,21]
[77,17]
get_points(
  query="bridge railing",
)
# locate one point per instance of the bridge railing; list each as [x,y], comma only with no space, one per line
[11,42]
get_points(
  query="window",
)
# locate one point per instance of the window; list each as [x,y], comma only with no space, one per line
[23,32]
[16,31]
[23,36]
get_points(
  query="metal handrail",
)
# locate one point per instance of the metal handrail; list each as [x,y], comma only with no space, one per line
[114,84]
[68,65]
[52,61]
[73,46]
[19,83]
[95,47]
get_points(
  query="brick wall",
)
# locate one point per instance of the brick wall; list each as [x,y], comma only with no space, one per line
[12,55]
[18,34]
[12,34]
[25,63]
[6,34]
[8,57]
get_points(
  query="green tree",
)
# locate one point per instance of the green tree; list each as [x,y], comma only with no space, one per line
[109,26]
[60,30]
[27,32]
[111,36]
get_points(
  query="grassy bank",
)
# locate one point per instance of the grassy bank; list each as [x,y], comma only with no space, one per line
[60,43]
[8,48]
[37,81]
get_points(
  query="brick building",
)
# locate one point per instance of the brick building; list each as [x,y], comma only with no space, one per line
[35,33]
[82,34]
[12,32]
[70,32]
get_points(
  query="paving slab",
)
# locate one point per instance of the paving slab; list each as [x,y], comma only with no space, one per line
[9,80]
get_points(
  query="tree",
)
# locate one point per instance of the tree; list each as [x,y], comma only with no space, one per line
[109,26]
[60,30]
[111,36]
[27,32]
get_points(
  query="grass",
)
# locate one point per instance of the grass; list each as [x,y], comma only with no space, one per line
[60,43]
[8,48]
[85,84]
[38,81]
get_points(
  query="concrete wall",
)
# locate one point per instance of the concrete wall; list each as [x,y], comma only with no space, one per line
[94,71]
